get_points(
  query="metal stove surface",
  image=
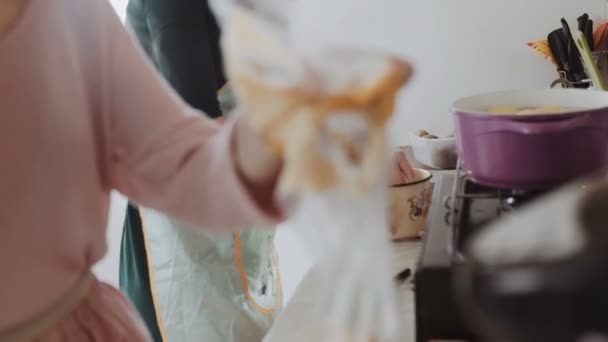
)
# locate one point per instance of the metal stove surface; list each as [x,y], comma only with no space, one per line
[460,208]
[436,313]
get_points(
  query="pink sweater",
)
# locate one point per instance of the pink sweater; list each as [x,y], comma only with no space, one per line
[82,112]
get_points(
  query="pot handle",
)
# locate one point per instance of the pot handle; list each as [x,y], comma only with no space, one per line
[545,127]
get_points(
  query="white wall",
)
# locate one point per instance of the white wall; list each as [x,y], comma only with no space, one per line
[459,47]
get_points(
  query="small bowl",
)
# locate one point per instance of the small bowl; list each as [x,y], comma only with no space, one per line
[410,204]
[438,153]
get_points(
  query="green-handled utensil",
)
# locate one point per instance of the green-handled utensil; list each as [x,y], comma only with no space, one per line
[592,70]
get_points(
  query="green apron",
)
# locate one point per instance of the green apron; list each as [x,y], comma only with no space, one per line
[207,288]
[134,277]
[189,285]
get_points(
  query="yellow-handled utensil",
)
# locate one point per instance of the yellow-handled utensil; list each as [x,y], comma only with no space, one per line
[592,70]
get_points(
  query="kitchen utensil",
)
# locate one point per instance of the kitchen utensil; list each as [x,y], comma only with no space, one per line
[589,34]
[543,48]
[574,58]
[537,151]
[585,25]
[404,275]
[410,203]
[582,21]
[589,63]
[567,33]
[559,52]
[439,153]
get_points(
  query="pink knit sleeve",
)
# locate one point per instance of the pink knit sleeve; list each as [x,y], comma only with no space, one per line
[165,155]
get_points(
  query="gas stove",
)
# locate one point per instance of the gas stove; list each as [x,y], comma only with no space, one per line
[460,208]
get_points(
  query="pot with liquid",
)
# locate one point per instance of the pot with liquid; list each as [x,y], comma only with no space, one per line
[532,139]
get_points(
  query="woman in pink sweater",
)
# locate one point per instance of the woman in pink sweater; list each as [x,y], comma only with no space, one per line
[83,113]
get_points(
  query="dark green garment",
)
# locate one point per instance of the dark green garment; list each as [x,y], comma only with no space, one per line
[181,37]
[134,278]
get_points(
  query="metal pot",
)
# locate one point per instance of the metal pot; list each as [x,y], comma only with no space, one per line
[532,151]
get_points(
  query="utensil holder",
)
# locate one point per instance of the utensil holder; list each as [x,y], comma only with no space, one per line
[565,83]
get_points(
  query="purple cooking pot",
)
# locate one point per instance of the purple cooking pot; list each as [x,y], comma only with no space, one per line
[532,151]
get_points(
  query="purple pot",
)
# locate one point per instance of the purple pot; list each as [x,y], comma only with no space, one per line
[532,151]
